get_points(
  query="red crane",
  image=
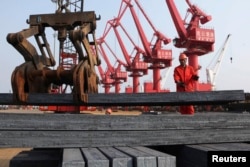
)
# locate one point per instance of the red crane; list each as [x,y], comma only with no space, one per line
[195,39]
[115,73]
[136,66]
[105,79]
[154,53]
[118,75]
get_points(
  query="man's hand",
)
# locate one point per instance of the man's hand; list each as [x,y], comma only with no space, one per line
[181,84]
[195,77]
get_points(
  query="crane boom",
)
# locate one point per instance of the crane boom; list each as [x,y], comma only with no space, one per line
[213,69]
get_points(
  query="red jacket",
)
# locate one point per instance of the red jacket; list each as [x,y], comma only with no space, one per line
[186,76]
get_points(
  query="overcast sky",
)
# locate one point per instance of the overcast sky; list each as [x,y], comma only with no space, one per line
[228,17]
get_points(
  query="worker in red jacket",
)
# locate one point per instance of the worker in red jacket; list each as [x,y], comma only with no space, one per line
[184,77]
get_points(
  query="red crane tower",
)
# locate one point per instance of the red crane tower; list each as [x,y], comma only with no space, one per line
[105,79]
[196,39]
[137,67]
[154,53]
[115,73]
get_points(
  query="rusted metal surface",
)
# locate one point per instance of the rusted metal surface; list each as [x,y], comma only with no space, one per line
[35,74]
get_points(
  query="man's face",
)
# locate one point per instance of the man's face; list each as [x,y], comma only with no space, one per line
[183,62]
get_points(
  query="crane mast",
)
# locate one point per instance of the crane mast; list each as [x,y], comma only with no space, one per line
[106,81]
[213,69]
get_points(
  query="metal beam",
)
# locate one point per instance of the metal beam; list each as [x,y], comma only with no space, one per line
[81,130]
[135,99]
